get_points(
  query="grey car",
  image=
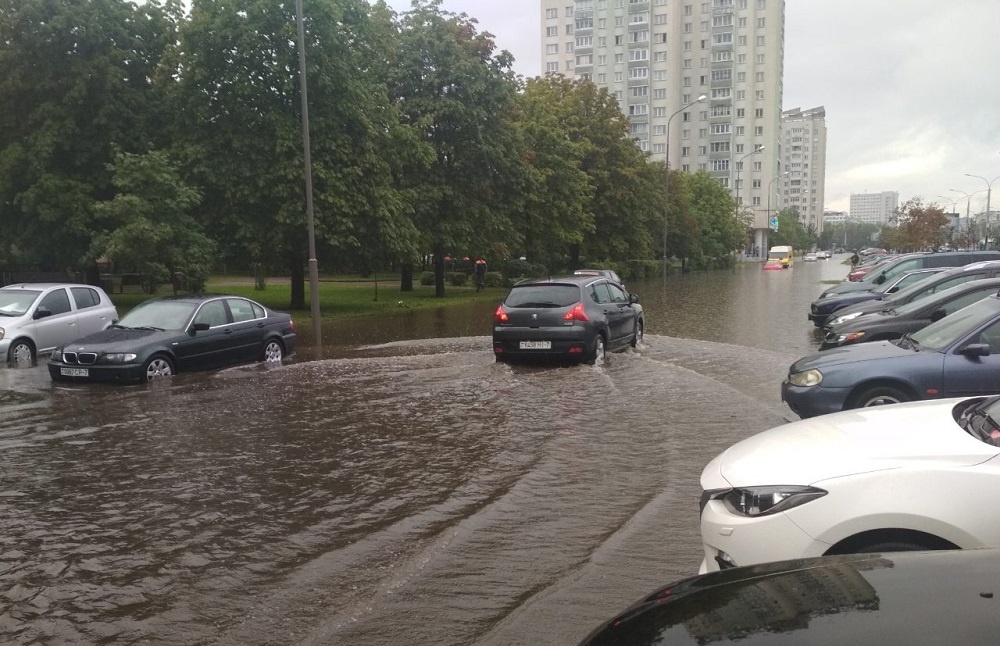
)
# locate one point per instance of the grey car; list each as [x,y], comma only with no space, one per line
[37,317]
[577,317]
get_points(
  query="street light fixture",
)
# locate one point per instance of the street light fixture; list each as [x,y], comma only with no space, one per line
[989,189]
[666,183]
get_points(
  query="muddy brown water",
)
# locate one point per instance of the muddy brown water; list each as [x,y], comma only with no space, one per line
[397,487]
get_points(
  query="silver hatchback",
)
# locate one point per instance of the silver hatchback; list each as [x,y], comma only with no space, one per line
[37,317]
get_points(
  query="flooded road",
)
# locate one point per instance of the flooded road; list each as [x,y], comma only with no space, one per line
[398,490]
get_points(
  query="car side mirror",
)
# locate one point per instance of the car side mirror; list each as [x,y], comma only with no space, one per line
[200,327]
[880,279]
[892,290]
[633,298]
[41,313]
[937,315]
[976,350]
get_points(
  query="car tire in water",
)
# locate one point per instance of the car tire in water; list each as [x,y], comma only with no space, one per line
[158,365]
[597,356]
[21,353]
[274,352]
[880,396]
[638,334]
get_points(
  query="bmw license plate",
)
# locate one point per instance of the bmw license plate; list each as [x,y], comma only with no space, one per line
[74,372]
[536,345]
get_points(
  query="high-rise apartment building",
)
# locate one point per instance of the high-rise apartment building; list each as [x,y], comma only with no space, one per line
[657,57]
[803,133]
[874,208]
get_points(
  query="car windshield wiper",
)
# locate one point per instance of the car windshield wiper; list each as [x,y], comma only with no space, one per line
[149,327]
[119,326]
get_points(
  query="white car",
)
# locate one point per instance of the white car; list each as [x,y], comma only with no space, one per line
[914,476]
[810,257]
[37,317]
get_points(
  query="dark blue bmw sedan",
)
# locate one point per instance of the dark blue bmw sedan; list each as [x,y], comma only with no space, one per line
[957,356]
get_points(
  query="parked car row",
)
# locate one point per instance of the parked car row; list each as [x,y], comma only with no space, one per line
[79,326]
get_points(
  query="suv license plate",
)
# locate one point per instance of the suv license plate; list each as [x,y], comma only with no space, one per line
[74,372]
[536,345]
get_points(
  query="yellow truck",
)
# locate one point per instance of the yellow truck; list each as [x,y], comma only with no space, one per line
[782,253]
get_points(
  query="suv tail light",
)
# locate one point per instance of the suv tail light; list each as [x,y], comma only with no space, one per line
[500,316]
[576,314]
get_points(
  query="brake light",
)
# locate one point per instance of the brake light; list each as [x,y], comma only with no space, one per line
[576,314]
[500,316]
[291,324]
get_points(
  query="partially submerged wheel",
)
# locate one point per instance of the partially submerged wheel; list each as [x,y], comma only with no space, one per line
[597,356]
[273,351]
[637,336]
[21,354]
[157,366]
[881,396]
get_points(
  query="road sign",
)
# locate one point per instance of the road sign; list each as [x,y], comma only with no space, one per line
[774,223]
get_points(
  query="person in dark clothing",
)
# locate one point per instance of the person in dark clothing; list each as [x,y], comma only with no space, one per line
[480,274]
[855,260]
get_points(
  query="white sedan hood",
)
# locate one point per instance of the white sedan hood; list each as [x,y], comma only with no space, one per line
[848,443]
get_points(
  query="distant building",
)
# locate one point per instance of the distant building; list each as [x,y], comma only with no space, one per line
[803,134]
[656,57]
[834,217]
[874,208]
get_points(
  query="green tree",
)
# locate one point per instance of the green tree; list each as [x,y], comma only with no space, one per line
[920,226]
[457,94]
[153,231]
[791,231]
[714,209]
[241,135]
[76,81]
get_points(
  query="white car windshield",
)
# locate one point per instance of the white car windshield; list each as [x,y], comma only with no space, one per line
[166,315]
[943,333]
[15,302]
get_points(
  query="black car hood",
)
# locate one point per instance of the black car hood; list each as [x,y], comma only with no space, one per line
[116,339]
[859,599]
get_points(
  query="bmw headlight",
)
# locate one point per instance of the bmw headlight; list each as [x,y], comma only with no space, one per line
[762,501]
[119,357]
[56,354]
[844,318]
[852,337]
[806,378]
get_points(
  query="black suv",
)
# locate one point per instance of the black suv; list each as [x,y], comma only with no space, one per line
[571,318]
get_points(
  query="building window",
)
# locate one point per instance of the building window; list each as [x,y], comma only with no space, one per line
[619,58]
[659,111]
[758,166]
[552,67]
[551,31]
[660,93]
[660,75]
[759,77]
[639,37]
[569,47]
[659,149]
[741,95]
[659,130]
[640,90]
[756,183]
[569,30]
[638,55]
[759,113]
[740,131]
[722,93]
[755,201]
[721,128]
[584,41]
[720,165]
[721,110]
[661,38]
[552,49]
[760,23]
[760,41]
[685,151]
[569,11]
[720,147]
[551,13]
[741,77]
[740,112]
[639,72]
[760,59]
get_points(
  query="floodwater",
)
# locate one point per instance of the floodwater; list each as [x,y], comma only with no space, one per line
[392,489]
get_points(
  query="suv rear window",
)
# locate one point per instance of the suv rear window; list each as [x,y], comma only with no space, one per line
[546,295]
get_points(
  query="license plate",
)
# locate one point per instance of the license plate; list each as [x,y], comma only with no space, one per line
[74,372]
[536,345]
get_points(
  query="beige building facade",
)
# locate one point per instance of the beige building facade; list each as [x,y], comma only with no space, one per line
[804,137]
[658,57]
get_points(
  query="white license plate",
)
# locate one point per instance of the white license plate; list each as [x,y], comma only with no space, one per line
[536,345]
[74,372]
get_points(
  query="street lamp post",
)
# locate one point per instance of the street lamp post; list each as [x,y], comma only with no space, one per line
[773,179]
[739,168]
[666,183]
[989,189]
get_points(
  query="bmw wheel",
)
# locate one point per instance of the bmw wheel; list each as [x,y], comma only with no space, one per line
[273,351]
[158,365]
[21,354]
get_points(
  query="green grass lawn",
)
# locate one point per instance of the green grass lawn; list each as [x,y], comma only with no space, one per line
[338,298]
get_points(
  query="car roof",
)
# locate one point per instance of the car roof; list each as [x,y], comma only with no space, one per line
[196,298]
[44,285]
[583,279]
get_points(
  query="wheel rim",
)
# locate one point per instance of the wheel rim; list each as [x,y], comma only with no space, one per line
[272,353]
[882,400]
[21,355]
[158,368]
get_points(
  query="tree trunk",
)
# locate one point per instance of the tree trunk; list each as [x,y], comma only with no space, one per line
[574,257]
[298,276]
[439,271]
[406,277]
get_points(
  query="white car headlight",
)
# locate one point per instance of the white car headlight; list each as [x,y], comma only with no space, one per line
[762,501]
[806,378]
[56,355]
[844,318]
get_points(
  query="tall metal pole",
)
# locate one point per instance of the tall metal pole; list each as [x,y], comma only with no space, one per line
[307,157]
[739,168]
[666,183]
[989,189]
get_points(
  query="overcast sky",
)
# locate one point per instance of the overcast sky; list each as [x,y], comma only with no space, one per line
[911,88]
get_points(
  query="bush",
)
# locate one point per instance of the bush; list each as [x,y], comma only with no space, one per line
[427,278]
[457,278]
[495,279]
